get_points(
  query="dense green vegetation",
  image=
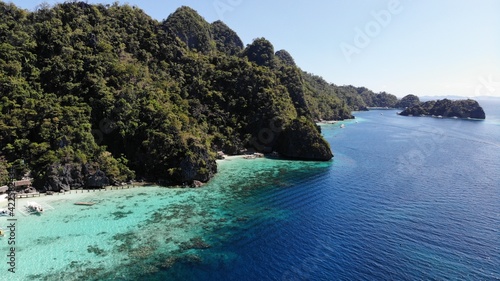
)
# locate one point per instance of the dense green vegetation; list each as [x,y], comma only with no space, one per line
[92,94]
[408,101]
[447,108]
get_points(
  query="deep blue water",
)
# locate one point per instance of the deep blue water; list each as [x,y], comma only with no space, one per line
[406,198]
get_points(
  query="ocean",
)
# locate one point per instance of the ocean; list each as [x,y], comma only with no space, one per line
[405,198]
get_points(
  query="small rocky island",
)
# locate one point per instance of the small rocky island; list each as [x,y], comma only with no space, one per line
[447,109]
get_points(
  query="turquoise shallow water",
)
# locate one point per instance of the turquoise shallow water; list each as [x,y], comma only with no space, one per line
[404,199]
[132,233]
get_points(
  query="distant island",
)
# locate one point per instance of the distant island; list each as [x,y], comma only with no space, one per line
[447,109]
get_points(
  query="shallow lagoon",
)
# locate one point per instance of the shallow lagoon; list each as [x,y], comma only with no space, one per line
[132,233]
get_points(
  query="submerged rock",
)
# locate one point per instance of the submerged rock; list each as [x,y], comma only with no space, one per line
[194,243]
[96,250]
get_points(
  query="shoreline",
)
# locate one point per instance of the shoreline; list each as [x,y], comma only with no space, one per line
[333,122]
[442,117]
[3,200]
[39,195]
[44,196]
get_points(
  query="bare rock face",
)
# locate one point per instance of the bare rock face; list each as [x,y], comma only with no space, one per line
[197,184]
[98,179]
[301,140]
[197,165]
[64,177]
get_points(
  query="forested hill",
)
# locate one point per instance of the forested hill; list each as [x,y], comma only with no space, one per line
[102,94]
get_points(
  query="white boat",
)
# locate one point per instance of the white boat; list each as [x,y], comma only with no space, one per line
[34,207]
[342,126]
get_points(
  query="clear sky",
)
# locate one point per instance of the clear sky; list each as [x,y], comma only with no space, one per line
[428,47]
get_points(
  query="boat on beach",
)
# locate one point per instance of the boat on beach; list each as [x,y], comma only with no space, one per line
[34,207]
[254,156]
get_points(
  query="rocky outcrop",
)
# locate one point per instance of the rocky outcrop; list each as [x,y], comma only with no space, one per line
[97,180]
[447,108]
[73,176]
[301,140]
[197,165]
[64,177]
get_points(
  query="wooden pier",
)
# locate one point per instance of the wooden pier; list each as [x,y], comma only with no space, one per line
[28,195]
[51,193]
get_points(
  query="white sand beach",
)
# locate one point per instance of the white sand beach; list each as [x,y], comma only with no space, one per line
[3,200]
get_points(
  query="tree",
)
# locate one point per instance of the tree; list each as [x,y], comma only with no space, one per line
[4,171]
[285,57]
[261,52]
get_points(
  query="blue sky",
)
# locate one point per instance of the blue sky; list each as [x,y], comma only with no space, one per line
[440,47]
